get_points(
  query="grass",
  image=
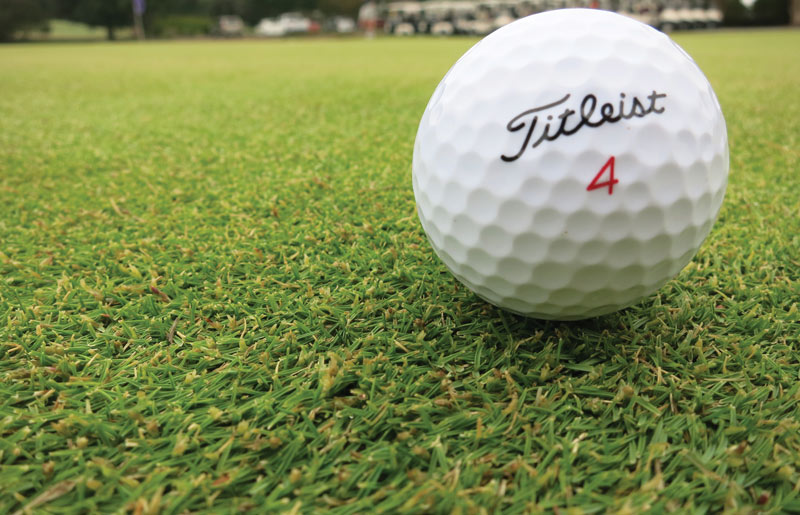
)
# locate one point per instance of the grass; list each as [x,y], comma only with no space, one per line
[215,295]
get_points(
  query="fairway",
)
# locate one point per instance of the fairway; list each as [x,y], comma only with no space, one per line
[215,294]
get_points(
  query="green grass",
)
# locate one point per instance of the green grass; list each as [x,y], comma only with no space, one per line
[215,294]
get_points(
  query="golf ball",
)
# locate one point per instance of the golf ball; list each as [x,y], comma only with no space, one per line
[570,163]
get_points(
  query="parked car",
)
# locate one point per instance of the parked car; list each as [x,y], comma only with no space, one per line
[502,12]
[685,18]
[270,27]
[713,17]
[341,24]
[295,23]
[404,18]
[286,24]
[669,19]
[439,18]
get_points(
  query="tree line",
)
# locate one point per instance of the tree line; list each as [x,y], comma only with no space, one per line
[160,16]
[192,17]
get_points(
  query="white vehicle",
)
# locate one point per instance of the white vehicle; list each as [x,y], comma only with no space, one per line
[270,28]
[698,18]
[283,25]
[685,18]
[503,13]
[404,29]
[439,18]
[713,17]
[526,8]
[463,17]
[484,19]
[703,17]
[442,28]
[230,26]
[493,14]
[343,24]
[403,18]
[295,23]
[669,19]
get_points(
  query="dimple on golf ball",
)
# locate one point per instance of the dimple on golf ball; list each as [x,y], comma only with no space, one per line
[570,163]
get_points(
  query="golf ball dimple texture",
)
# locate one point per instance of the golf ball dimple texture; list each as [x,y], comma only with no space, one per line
[570,163]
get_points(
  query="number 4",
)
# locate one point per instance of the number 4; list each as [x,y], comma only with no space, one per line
[595,185]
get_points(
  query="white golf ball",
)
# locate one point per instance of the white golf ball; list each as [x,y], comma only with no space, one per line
[570,163]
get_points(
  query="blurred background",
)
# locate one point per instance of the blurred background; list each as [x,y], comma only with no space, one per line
[59,20]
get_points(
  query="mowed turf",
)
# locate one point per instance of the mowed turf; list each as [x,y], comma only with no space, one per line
[215,294]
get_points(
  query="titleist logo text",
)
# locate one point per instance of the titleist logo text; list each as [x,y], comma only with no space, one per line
[588,115]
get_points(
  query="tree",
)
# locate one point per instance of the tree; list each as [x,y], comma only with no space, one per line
[762,12]
[110,14]
[345,7]
[254,10]
[736,14]
[771,12]
[21,14]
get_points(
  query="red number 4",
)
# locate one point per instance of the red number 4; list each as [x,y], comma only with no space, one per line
[596,185]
